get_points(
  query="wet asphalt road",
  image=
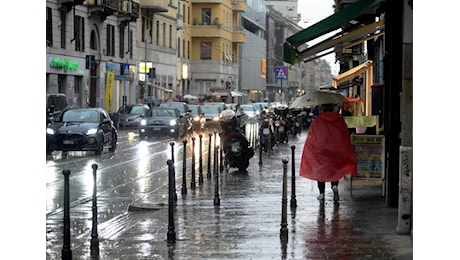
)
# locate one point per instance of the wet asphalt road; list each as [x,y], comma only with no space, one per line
[133,209]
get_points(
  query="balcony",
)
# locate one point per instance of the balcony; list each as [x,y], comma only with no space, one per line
[68,4]
[239,5]
[155,5]
[238,35]
[216,31]
[124,9]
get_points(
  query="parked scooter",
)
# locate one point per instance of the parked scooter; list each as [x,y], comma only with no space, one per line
[235,145]
[266,135]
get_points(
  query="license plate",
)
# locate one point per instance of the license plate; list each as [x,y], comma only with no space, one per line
[68,142]
[156,128]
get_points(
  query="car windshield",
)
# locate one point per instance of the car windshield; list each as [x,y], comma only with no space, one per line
[80,116]
[194,109]
[210,109]
[163,113]
[137,110]
[248,108]
[180,107]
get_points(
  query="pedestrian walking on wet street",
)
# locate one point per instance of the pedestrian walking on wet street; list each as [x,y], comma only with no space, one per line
[327,154]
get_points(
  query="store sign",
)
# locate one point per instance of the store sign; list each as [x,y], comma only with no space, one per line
[65,64]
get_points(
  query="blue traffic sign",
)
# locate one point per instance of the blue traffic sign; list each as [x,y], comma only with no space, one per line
[281,72]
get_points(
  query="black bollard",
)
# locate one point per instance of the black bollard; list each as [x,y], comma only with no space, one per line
[174,180]
[66,248]
[216,157]
[284,229]
[260,154]
[94,236]
[171,233]
[293,199]
[209,156]
[184,169]
[216,177]
[221,160]
[200,160]
[193,182]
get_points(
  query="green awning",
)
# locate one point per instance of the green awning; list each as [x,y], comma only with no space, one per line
[327,25]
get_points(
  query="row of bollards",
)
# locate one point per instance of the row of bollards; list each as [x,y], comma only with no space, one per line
[94,245]
[284,229]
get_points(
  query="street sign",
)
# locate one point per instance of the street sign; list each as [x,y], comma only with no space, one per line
[281,72]
[126,69]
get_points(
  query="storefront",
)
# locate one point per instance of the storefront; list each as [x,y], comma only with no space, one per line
[65,74]
[119,85]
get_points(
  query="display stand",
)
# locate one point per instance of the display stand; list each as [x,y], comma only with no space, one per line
[370,157]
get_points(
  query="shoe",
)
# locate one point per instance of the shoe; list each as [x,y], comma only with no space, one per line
[321,196]
[335,189]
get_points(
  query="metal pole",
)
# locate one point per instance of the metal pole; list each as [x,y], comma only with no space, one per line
[94,236]
[209,156]
[184,169]
[200,178]
[174,179]
[193,182]
[216,177]
[66,248]
[171,236]
[293,199]
[284,229]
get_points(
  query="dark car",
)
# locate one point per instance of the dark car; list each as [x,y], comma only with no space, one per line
[163,121]
[184,110]
[129,116]
[83,129]
[199,121]
[211,113]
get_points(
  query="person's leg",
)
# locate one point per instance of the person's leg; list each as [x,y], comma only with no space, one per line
[321,187]
[335,189]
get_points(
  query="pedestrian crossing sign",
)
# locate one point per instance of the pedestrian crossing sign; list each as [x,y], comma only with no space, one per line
[281,72]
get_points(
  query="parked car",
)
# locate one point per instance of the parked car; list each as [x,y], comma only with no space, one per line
[184,110]
[199,121]
[163,121]
[129,116]
[83,129]
[211,113]
[55,103]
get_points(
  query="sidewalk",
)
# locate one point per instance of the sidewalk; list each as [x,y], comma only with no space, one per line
[247,223]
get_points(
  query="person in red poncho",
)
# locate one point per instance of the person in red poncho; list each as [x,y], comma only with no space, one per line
[328,154]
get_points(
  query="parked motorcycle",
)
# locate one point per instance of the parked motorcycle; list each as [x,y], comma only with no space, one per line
[236,148]
[266,135]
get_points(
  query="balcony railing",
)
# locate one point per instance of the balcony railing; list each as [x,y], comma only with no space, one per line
[125,8]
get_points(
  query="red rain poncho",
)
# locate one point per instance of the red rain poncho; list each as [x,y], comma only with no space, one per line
[327,154]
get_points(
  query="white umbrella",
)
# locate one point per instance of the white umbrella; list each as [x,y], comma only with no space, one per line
[190,97]
[237,94]
[316,98]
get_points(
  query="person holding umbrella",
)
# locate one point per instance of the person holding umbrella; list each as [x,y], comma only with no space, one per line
[327,154]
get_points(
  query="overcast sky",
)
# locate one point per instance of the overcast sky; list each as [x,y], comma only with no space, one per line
[313,11]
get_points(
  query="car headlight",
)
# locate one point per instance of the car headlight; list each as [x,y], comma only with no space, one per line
[197,118]
[216,118]
[143,122]
[49,131]
[91,131]
[173,122]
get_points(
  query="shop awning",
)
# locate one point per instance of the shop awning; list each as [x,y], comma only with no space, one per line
[346,40]
[293,45]
[350,74]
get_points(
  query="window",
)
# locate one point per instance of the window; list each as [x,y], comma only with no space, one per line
[164,34]
[178,47]
[49,27]
[92,41]
[122,41]
[130,44]
[188,49]
[206,50]
[110,44]
[63,27]
[206,16]
[158,33]
[170,36]
[79,36]
[144,29]
[183,46]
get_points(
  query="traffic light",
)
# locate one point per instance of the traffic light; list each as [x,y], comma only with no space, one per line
[152,73]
